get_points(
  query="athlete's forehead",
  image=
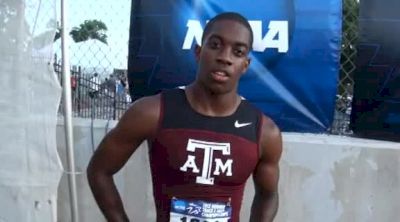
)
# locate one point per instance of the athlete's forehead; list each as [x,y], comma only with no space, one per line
[230,31]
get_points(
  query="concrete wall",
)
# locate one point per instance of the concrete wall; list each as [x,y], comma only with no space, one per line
[323,178]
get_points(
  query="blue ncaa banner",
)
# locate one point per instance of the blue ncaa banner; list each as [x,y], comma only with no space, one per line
[295,62]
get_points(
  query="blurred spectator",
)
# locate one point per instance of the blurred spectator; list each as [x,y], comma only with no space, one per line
[94,85]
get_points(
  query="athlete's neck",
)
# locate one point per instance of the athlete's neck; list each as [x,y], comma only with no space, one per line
[212,104]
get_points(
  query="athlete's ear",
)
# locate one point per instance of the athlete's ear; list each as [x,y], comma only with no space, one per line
[246,65]
[197,51]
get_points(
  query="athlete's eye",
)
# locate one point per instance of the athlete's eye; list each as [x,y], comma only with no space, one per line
[214,43]
[239,52]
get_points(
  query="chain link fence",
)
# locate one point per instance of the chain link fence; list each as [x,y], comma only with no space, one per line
[344,94]
[92,98]
[99,45]
[98,37]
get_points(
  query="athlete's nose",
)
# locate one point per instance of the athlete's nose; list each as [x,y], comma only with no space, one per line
[224,56]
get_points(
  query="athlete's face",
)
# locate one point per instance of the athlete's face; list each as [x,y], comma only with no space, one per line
[223,57]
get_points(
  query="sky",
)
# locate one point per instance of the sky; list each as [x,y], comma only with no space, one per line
[116,15]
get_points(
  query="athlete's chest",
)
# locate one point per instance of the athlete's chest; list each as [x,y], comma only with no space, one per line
[204,157]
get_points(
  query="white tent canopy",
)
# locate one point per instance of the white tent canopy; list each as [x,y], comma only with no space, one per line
[30,167]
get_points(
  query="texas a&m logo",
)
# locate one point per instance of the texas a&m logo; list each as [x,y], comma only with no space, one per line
[209,161]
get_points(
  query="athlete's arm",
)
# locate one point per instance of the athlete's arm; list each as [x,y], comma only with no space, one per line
[137,124]
[266,174]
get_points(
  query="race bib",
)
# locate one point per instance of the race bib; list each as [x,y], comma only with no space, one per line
[199,211]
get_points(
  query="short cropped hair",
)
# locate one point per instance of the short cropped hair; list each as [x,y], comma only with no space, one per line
[233,16]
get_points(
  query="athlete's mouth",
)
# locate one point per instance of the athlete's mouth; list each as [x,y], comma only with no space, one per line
[220,76]
[220,73]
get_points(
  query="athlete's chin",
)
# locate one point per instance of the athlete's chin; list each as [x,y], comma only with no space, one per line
[220,89]
[217,88]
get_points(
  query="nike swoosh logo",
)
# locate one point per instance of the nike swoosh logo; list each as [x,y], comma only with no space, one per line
[239,125]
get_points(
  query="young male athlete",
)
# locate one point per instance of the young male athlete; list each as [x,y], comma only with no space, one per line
[204,141]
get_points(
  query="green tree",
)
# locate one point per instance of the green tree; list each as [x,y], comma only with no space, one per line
[89,29]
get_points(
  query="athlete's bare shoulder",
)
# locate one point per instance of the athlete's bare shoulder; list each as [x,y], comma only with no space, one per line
[142,117]
[271,139]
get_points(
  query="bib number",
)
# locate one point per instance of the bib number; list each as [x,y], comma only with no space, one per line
[199,211]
